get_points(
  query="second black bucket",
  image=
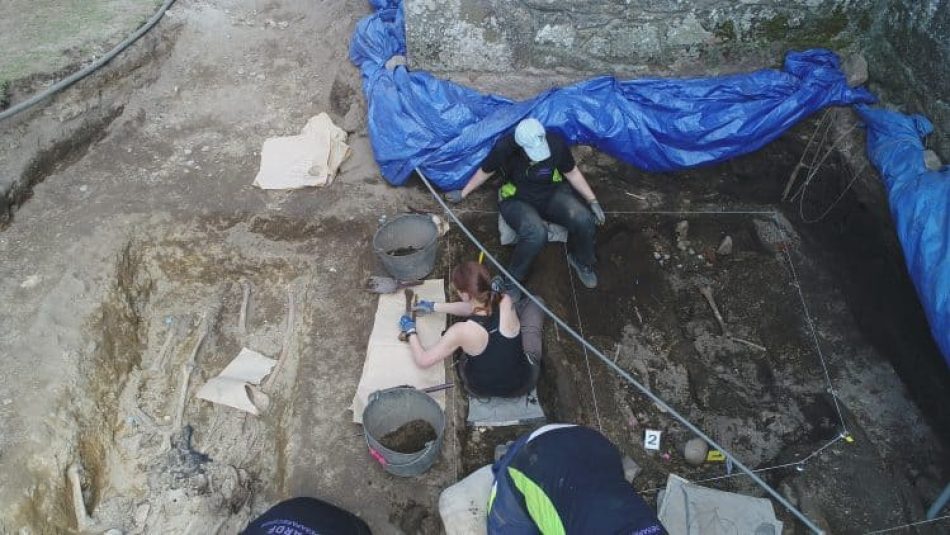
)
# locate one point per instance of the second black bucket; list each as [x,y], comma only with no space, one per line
[407,246]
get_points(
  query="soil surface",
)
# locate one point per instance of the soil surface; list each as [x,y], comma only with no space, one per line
[142,260]
[409,438]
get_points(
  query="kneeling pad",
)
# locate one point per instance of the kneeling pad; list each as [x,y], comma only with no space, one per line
[501,412]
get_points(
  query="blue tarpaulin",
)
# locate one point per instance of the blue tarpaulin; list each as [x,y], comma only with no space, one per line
[445,129]
[920,205]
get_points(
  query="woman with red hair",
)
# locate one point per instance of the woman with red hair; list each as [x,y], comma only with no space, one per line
[500,341]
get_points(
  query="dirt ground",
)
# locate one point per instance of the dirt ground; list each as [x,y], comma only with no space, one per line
[135,246]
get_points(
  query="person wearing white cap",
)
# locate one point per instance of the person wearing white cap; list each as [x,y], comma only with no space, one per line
[541,182]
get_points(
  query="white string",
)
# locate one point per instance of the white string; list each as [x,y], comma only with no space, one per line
[580,327]
[796,464]
[811,327]
[617,369]
[905,526]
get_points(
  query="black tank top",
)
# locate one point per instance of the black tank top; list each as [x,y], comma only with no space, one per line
[502,369]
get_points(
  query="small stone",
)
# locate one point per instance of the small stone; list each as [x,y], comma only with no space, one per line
[30,282]
[283,24]
[141,514]
[205,148]
[657,255]
[692,251]
[333,270]
[630,469]
[666,257]
[682,230]
[261,77]
[187,152]
[83,188]
[695,451]
[7,402]
[725,247]
[681,245]
[856,69]
[932,161]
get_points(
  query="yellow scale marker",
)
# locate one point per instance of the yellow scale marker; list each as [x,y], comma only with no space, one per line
[715,456]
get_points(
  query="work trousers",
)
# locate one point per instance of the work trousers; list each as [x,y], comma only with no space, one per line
[562,208]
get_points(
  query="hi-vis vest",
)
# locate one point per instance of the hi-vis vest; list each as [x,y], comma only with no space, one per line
[509,189]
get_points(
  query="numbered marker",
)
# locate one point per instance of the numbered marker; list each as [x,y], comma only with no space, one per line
[651,439]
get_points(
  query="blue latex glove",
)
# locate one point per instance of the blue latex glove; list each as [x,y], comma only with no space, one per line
[599,216]
[406,324]
[424,307]
[454,196]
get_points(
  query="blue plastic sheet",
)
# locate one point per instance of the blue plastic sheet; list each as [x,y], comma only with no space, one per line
[445,129]
[920,205]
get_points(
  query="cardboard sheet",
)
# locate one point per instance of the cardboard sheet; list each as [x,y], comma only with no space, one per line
[230,386]
[388,361]
[309,159]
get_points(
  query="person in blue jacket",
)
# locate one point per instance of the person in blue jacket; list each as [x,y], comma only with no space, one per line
[307,516]
[566,479]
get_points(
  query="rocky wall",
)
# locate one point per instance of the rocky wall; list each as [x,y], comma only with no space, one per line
[908,48]
[623,37]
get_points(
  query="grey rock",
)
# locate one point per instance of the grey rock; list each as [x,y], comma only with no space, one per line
[682,230]
[725,247]
[856,69]
[695,450]
[630,469]
[932,161]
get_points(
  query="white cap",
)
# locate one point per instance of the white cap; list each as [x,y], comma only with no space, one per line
[529,134]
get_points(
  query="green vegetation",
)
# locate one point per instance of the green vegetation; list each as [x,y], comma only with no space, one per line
[40,37]
[830,31]
[726,31]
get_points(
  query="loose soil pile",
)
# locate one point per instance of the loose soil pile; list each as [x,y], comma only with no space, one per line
[410,437]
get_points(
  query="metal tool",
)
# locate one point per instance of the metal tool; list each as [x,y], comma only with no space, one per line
[387,285]
[403,337]
[437,388]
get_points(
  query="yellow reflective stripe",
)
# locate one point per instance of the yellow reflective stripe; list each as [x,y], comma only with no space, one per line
[491,497]
[557,177]
[540,507]
[508,190]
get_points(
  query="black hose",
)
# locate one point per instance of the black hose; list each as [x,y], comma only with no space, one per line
[91,68]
